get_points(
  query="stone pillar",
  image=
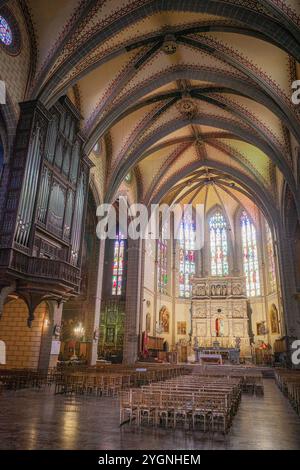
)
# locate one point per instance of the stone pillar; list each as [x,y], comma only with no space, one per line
[55,341]
[46,337]
[93,303]
[155,309]
[92,326]
[133,301]
[288,286]
[230,326]
[263,267]
[174,280]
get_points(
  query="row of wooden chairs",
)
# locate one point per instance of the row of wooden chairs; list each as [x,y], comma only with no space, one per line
[140,374]
[108,381]
[17,379]
[199,404]
[251,379]
[98,385]
[99,381]
[289,383]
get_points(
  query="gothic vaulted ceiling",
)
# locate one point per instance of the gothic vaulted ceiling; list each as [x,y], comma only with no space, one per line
[177,91]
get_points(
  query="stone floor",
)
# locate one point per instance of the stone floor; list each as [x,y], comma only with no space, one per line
[40,420]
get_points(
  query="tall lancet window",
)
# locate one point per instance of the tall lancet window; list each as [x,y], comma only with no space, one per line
[186,256]
[162,261]
[118,265]
[271,259]
[250,258]
[218,245]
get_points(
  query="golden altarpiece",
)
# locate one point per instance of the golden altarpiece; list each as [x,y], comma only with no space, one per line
[219,313]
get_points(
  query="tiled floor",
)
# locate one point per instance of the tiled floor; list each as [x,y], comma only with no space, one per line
[40,420]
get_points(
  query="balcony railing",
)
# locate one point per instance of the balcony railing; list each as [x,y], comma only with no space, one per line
[54,270]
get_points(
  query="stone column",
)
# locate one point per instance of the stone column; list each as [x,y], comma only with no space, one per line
[173,291]
[288,286]
[155,309]
[55,341]
[92,325]
[230,321]
[133,301]
[263,260]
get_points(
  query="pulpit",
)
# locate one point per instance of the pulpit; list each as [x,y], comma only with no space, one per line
[219,313]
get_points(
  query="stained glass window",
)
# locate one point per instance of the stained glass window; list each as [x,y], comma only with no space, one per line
[218,245]
[271,259]
[162,262]
[118,265]
[250,258]
[186,257]
[5,32]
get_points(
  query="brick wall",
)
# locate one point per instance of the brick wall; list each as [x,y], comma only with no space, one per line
[22,343]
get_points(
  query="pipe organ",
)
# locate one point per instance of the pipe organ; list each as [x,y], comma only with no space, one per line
[43,218]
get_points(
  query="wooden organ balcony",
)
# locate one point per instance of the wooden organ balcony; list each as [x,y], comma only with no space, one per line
[42,223]
[31,268]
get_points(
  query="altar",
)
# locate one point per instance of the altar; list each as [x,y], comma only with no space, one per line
[210,357]
[219,312]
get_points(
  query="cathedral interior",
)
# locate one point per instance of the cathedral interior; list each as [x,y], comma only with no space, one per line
[155,102]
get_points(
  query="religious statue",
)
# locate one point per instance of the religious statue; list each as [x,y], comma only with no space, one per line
[96,334]
[237,343]
[196,343]
[261,328]
[274,320]
[57,331]
[219,327]
[202,290]
[164,319]
[148,322]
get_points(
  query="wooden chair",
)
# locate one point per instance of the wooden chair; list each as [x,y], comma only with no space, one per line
[200,414]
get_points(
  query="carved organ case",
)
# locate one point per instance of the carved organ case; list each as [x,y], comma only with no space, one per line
[43,221]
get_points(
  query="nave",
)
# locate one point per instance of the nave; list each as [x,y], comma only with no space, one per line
[41,420]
